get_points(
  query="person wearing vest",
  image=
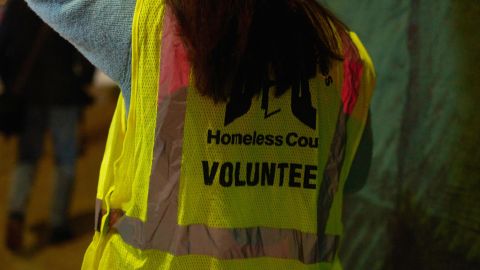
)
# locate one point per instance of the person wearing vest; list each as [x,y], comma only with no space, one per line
[237,128]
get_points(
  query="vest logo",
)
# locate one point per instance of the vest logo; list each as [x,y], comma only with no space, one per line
[301,105]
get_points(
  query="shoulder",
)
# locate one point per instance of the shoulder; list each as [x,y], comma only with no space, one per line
[358,75]
[363,55]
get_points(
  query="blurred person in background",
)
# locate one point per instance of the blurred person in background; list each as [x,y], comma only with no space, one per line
[52,78]
[180,182]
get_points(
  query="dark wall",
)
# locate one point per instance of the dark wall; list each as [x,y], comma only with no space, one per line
[421,206]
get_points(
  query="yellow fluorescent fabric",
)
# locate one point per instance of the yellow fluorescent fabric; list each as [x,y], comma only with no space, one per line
[355,126]
[113,149]
[261,169]
[264,168]
[121,256]
[132,171]
[128,155]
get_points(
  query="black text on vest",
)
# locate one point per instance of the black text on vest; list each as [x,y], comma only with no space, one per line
[301,105]
[252,174]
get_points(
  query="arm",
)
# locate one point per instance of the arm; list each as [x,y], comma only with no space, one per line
[358,175]
[100,29]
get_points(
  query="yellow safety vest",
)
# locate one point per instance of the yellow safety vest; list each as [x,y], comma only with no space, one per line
[257,184]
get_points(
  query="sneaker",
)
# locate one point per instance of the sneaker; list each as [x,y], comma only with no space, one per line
[15,227]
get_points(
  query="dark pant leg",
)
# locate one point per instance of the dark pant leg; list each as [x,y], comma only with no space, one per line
[63,123]
[30,147]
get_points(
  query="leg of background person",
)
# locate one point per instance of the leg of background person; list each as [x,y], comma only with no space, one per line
[63,124]
[29,151]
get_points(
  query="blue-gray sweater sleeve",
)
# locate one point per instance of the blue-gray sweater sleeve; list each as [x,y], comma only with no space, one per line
[100,29]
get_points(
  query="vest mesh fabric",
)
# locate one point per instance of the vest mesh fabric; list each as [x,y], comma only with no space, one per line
[127,165]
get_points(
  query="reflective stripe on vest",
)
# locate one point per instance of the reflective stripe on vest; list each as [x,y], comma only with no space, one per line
[174,210]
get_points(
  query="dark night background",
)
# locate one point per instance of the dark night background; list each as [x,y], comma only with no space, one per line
[420,208]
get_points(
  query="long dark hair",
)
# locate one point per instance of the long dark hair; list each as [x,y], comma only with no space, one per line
[238,47]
